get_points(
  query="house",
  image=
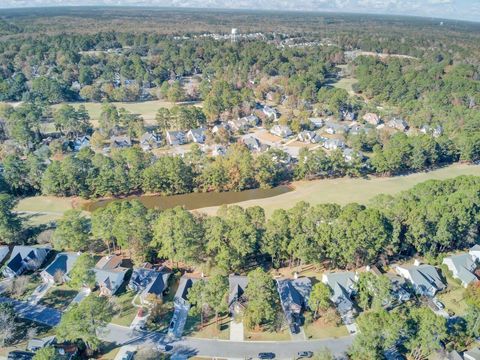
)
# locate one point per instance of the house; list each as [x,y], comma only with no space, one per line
[120,142]
[350,154]
[237,285]
[24,258]
[150,140]
[251,120]
[219,150]
[436,131]
[63,351]
[356,129]
[371,118]
[309,137]
[81,142]
[109,274]
[149,283]
[175,138]
[343,288]
[181,296]
[252,143]
[424,278]
[462,267]
[399,290]
[238,125]
[3,252]
[219,127]
[475,252]
[37,344]
[333,144]
[348,115]
[196,135]
[316,122]
[270,112]
[294,296]
[398,124]
[58,270]
[473,354]
[282,131]
[332,128]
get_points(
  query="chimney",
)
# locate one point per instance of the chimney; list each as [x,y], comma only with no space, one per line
[295,275]
[367,268]
[416,262]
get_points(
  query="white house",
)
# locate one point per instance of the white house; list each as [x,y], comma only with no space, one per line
[424,278]
[475,252]
[109,274]
[462,267]
[196,135]
[343,288]
[282,131]
[175,138]
[333,144]
[371,118]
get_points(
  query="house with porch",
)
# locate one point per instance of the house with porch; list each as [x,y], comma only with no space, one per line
[425,279]
[109,274]
[343,288]
[237,285]
[463,267]
[294,294]
[25,258]
[149,283]
[57,271]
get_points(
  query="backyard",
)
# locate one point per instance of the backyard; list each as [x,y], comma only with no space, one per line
[58,297]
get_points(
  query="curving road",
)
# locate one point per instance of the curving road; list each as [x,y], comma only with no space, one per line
[122,335]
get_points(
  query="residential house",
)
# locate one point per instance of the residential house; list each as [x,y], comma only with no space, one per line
[219,150]
[282,131]
[333,128]
[343,288]
[243,124]
[3,252]
[462,267]
[253,144]
[348,115]
[435,131]
[150,140]
[149,283]
[181,296]
[294,296]
[57,271]
[81,142]
[372,118]
[473,354]
[196,135]
[399,290]
[333,144]
[309,137]
[475,252]
[219,127]
[316,122]
[109,274]
[270,112]
[24,258]
[237,285]
[63,351]
[356,129]
[350,154]
[252,120]
[120,142]
[37,344]
[424,278]
[175,138]
[399,124]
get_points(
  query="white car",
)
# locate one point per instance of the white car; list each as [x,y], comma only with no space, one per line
[438,303]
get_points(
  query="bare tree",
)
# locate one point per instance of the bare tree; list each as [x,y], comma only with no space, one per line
[18,286]
[7,323]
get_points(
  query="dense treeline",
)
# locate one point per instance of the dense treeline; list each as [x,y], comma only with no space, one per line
[431,218]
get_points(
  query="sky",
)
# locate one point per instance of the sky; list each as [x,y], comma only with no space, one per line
[449,9]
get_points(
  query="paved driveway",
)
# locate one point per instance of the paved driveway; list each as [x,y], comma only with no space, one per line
[236,330]
[39,293]
[82,294]
[178,320]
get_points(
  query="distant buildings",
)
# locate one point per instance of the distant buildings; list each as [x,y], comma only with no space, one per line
[282,131]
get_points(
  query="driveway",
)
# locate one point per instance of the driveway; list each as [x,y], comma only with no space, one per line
[236,330]
[123,351]
[82,294]
[178,320]
[39,293]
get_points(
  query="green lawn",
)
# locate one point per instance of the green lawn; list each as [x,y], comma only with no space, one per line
[59,297]
[210,329]
[321,330]
[125,312]
[38,210]
[345,83]
[347,190]
[454,300]
[251,335]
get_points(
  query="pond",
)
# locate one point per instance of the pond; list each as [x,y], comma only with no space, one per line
[194,200]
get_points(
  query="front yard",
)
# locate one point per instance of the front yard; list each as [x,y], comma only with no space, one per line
[125,312]
[454,301]
[210,329]
[253,335]
[23,330]
[58,297]
[322,329]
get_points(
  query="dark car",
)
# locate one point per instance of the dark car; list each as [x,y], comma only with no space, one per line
[172,325]
[20,355]
[294,328]
[266,355]
[305,354]
[128,356]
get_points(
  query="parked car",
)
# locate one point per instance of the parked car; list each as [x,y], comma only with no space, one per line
[128,355]
[305,354]
[438,303]
[294,328]
[20,355]
[164,347]
[266,355]
[172,325]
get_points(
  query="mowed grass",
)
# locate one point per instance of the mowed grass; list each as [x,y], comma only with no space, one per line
[146,109]
[348,190]
[37,210]
[346,84]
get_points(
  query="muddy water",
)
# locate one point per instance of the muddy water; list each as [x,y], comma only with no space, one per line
[195,200]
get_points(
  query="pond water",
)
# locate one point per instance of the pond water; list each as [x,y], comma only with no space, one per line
[195,200]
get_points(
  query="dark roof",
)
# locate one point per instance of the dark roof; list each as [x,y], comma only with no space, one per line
[16,263]
[60,264]
[158,286]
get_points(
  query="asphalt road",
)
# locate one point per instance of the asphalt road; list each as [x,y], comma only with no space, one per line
[187,346]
